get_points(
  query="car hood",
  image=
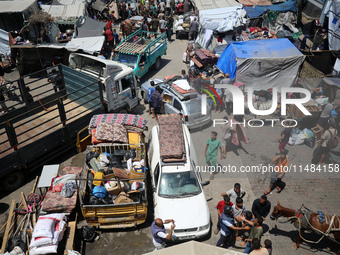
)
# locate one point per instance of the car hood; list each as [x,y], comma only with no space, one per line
[187,212]
[146,84]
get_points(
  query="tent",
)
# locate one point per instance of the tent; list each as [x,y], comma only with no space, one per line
[222,19]
[262,64]
[213,4]
[4,43]
[67,14]
[14,13]
[194,247]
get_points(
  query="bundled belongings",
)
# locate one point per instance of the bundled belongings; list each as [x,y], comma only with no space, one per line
[62,195]
[171,138]
[256,33]
[47,233]
[204,57]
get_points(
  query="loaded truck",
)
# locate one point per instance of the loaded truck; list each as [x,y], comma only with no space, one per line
[119,84]
[141,53]
[124,203]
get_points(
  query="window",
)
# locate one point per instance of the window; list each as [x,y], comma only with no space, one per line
[127,82]
[177,105]
[156,175]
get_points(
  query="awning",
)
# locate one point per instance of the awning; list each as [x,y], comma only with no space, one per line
[87,44]
[65,12]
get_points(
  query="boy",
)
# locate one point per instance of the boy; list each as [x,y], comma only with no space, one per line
[211,151]
[219,207]
[235,193]
[255,232]
[268,246]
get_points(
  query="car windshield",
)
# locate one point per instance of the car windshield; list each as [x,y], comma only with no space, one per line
[179,184]
[193,106]
[129,60]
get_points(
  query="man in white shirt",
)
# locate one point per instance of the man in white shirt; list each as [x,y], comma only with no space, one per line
[234,193]
[158,232]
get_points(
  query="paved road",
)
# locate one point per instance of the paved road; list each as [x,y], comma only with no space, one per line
[318,191]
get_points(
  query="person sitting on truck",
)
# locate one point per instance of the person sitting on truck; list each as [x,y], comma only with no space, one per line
[151,89]
[158,232]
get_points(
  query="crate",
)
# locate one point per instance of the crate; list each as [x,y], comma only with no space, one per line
[317,132]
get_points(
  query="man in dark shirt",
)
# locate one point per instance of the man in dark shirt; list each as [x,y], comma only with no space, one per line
[156,98]
[284,138]
[261,207]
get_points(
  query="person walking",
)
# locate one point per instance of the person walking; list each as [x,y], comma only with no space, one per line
[226,136]
[154,24]
[327,141]
[325,114]
[168,28]
[193,29]
[211,152]
[238,134]
[151,90]
[156,99]
[158,232]
[162,25]
[283,140]
[281,162]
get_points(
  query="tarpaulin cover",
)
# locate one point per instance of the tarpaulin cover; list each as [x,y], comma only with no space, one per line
[90,28]
[334,26]
[213,4]
[65,12]
[87,44]
[255,2]
[99,6]
[262,64]
[253,13]
[222,19]
[290,5]
[4,43]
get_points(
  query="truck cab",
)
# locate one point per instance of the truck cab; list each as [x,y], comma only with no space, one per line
[119,84]
[141,53]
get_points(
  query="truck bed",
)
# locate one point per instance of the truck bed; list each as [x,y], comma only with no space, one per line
[131,48]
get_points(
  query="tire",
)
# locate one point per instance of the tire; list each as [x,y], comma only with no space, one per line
[158,63]
[177,35]
[13,181]
[146,99]
[124,110]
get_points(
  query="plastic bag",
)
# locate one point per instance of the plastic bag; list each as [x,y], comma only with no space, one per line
[88,233]
[119,152]
[115,161]
[99,191]
[68,189]
[90,155]
[300,139]
[130,154]
[103,160]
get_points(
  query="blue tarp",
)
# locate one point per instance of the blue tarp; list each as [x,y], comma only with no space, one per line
[252,13]
[257,49]
[258,10]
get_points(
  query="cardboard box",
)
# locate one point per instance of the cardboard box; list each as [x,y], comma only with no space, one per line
[115,190]
[122,198]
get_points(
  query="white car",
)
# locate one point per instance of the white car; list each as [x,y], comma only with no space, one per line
[178,191]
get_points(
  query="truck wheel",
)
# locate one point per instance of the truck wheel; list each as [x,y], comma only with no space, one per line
[146,99]
[13,180]
[158,63]
[124,110]
[177,35]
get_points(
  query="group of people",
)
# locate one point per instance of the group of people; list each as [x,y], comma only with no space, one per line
[111,41]
[237,223]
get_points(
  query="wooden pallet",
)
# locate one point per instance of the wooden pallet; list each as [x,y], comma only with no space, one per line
[131,48]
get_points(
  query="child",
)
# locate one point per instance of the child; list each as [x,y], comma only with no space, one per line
[219,207]
[246,226]
[268,246]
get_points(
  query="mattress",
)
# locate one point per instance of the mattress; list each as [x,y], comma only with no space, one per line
[116,118]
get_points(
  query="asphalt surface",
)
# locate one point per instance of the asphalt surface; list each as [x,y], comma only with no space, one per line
[316,190]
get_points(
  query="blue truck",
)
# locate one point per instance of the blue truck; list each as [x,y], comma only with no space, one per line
[140,53]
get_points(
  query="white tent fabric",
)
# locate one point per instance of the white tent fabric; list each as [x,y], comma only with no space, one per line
[222,19]
[213,4]
[334,25]
[4,43]
[87,44]
[15,6]
[99,6]
[65,12]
